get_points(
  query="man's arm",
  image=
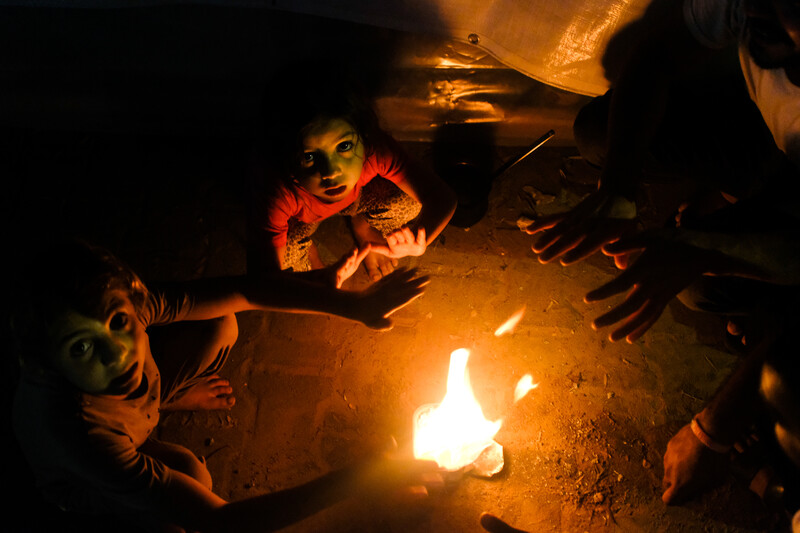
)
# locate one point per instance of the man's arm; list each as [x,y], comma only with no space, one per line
[691,466]
[664,54]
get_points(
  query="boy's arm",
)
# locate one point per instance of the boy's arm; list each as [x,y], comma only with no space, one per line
[190,504]
[286,291]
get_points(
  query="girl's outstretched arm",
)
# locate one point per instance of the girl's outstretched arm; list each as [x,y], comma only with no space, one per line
[437,198]
[286,291]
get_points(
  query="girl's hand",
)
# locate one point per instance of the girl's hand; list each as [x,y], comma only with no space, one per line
[402,243]
[375,304]
[348,264]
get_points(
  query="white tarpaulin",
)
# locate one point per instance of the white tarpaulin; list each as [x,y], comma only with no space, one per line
[558,42]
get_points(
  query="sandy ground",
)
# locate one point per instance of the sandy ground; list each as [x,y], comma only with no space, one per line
[583,450]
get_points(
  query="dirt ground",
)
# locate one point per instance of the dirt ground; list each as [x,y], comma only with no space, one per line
[583,451]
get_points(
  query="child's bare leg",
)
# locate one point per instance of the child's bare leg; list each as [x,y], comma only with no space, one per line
[178,458]
[313,258]
[190,356]
[377,265]
[212,392]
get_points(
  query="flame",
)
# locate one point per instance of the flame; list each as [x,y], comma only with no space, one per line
[524,386]
[509,325]
[455,432]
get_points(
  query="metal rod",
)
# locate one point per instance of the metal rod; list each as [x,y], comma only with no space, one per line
[528,151]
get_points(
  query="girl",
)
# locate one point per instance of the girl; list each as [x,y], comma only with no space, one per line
[324,155]
[102,355]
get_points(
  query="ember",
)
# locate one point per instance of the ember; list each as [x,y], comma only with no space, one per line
[509,325]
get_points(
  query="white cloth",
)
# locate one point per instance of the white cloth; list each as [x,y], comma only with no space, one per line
[559,43]
[718,23]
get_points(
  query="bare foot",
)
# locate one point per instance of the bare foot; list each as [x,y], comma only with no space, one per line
[212,393]
[378,265]
[314,259]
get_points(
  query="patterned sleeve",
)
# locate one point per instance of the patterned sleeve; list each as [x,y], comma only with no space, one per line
[714,23]
[166,303]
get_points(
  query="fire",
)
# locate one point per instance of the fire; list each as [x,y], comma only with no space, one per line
[454,433]
[509,325]
[524,386]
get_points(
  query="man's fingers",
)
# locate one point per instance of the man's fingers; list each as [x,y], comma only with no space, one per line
[566,242]
[638,323]
[620,284]
[543,223]
[632,304]
[630,243]
[583,250]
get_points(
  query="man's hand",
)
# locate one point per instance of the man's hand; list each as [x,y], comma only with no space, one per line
[664,269]
[690,468]
[403,243]
[376,303]
[599,219]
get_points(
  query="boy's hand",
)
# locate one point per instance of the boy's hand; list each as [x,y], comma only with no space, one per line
[377,302]
[402,243]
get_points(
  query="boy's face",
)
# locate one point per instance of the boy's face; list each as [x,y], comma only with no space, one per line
[772,32]
[100,355]
[331,162]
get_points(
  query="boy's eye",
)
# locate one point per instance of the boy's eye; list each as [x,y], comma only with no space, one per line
[118,321]
[345,146]
[307,159]
[80,348]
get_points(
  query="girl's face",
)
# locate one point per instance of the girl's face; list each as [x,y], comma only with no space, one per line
[331,161]
[100,355]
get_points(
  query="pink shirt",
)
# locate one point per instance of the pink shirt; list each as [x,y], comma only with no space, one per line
[273,207]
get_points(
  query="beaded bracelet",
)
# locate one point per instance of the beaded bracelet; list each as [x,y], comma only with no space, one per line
[707,440]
